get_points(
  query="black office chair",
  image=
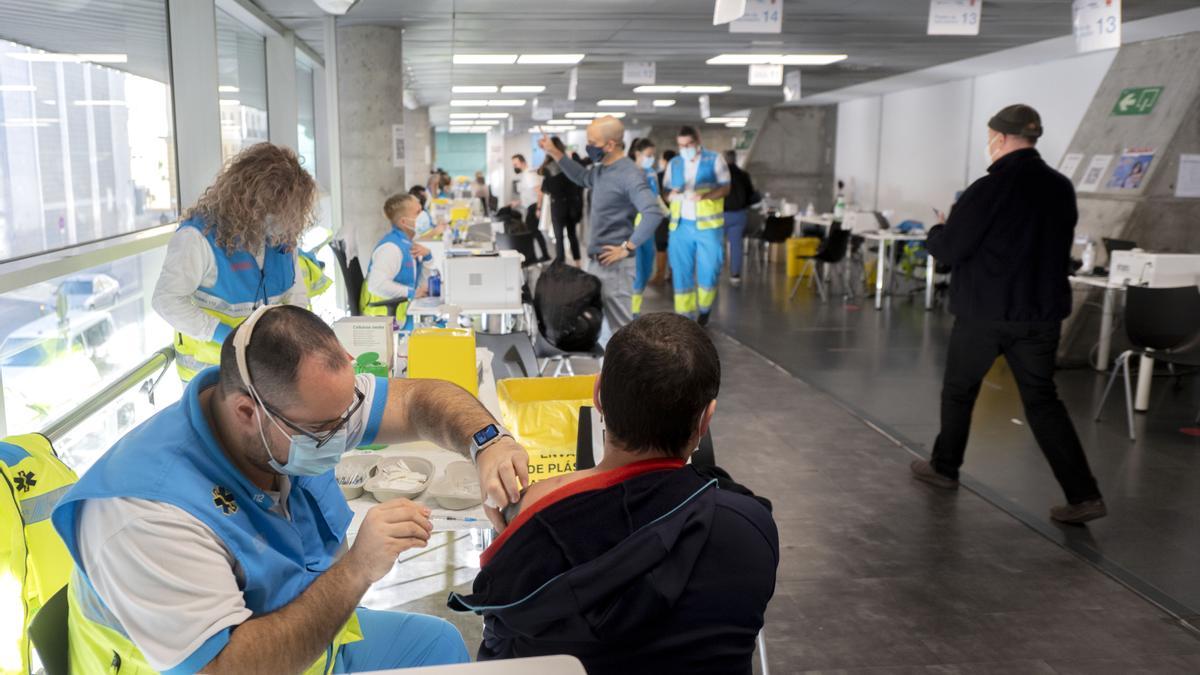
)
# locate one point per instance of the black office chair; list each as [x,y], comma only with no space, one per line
[48,633]
[832,252]
[512,354]
[776,230]
[352,275]
[1162,323]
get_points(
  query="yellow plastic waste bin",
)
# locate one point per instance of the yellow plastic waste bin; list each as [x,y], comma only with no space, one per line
[799,249]
[444,354]
[543,414]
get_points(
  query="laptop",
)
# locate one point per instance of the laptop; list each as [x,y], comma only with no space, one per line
[884,224]
[1111,245]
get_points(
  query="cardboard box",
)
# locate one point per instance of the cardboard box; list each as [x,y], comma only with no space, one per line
[370,340]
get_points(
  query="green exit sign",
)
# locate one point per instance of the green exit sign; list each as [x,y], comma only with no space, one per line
[1137,101]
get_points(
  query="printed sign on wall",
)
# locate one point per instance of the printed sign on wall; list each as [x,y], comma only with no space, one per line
[1131,169]
[1097,24]
[791,86]
[638,72]
[1095,173]
[398,146]
[1137,101]
[766,75]
[1070,164]
[955,17]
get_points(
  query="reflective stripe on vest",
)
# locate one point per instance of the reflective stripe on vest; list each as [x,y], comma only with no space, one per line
[315,280]
[240,286]
[35,559]
[710,213]
[279,557]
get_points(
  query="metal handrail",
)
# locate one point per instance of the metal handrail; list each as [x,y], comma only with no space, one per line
[159,361]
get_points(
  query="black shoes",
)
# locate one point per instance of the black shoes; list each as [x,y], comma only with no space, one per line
[923,471]
[703,320]
[1078,514]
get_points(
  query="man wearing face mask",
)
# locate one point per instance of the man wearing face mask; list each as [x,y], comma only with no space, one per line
[1008,240]
[213,537]
[619,194]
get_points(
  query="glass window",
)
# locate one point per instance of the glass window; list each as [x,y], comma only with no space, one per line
[242,85]
[306,118]
[86,328]
[85,123]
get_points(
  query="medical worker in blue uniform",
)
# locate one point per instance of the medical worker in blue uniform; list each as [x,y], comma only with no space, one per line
[641,151]
[697,181]
[214,538]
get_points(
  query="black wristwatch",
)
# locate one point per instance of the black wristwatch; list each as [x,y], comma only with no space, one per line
[628,246]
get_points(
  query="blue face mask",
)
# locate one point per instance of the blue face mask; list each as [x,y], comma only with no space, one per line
[596,154]
[647,163]
[304,457]
[688,153]
[424,223]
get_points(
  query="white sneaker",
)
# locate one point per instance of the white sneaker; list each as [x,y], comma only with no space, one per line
[735,281]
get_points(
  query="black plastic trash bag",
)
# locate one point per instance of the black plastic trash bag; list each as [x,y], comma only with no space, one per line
[568,307]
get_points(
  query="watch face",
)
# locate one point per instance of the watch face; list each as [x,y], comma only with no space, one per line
[486,434]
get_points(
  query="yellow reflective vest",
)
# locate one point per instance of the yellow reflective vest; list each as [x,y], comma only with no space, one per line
[34,563]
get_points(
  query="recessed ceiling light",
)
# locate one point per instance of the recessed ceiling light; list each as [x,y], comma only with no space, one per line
[538,59]
[776,59]
[480,130]
[463,123]
[723,120]
[492,115]
[227,89]
[99,102]
[736,125]
[230,101]
[17,87]
[664,102]
[485,59]
[462,102]
[522,88]
[474,89]
[657,89]
[616,103]
[462,130]
[581,115]
[506,102]
[464,116]
[705,89]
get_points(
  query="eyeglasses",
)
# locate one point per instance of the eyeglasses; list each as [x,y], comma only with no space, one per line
[323,437]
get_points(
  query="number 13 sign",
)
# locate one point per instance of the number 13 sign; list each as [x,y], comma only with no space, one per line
[1097,24]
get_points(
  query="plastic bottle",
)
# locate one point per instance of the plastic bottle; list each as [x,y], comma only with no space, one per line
[1089,257]
[839,208]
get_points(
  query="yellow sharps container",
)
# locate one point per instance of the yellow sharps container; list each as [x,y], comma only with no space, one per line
[444,354]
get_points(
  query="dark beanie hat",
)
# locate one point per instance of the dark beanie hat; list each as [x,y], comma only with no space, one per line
[1017,120]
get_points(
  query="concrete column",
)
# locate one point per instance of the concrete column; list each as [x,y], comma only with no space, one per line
[193,28]
[281,89]
[370,77]
[418,139]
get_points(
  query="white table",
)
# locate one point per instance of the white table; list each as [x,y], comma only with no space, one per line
[887,241]
[1141,399]
[540,665]
[825,221]
[510,314]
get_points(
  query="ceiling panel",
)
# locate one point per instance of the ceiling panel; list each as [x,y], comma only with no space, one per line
[882,37]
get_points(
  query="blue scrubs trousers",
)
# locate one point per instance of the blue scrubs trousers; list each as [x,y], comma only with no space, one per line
[696,258]
[644,268]
[401,640]
[735,232]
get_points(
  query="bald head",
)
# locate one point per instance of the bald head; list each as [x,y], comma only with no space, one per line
[606,133]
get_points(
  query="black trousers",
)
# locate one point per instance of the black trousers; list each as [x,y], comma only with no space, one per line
[565,215]
[1030,350]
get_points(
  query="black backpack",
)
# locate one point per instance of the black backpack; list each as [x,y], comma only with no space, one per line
[568,307]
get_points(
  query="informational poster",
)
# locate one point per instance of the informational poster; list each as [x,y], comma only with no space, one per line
[762,16]
[1095,173]
[638,72]
[563,106]
[1070,164]
[766,75]
[543,111]
[644,105]
[791,86]
[1131,169]
[398,146]
[573,86]
[1187,183]
[705,111]
[954,17]
[1097,24]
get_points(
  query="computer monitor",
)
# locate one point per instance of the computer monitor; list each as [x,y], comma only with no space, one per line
[1111,245]
[882,220]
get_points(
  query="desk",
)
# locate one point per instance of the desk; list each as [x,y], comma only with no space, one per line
[1141,399]
[820,221]
[435,307]
[887,246]
[539,665]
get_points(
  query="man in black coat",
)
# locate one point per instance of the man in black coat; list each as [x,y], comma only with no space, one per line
[1008,241]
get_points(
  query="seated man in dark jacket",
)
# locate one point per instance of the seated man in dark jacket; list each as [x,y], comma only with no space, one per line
[643,564]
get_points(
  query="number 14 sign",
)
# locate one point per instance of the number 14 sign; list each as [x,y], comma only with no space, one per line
[1097,24]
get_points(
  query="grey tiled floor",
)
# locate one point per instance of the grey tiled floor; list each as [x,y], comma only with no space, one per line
[880,574]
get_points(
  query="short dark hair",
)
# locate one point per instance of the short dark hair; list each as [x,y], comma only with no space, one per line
[520,157]
[638,145]
[282,338]
[687,130]
[660,373]
[669,155]
[731,157]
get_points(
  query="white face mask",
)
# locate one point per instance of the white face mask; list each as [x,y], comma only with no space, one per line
[987,149]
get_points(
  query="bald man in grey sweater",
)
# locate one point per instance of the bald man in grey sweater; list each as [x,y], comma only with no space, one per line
[619,194]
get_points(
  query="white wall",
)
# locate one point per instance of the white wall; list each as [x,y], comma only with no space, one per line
[932,139]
